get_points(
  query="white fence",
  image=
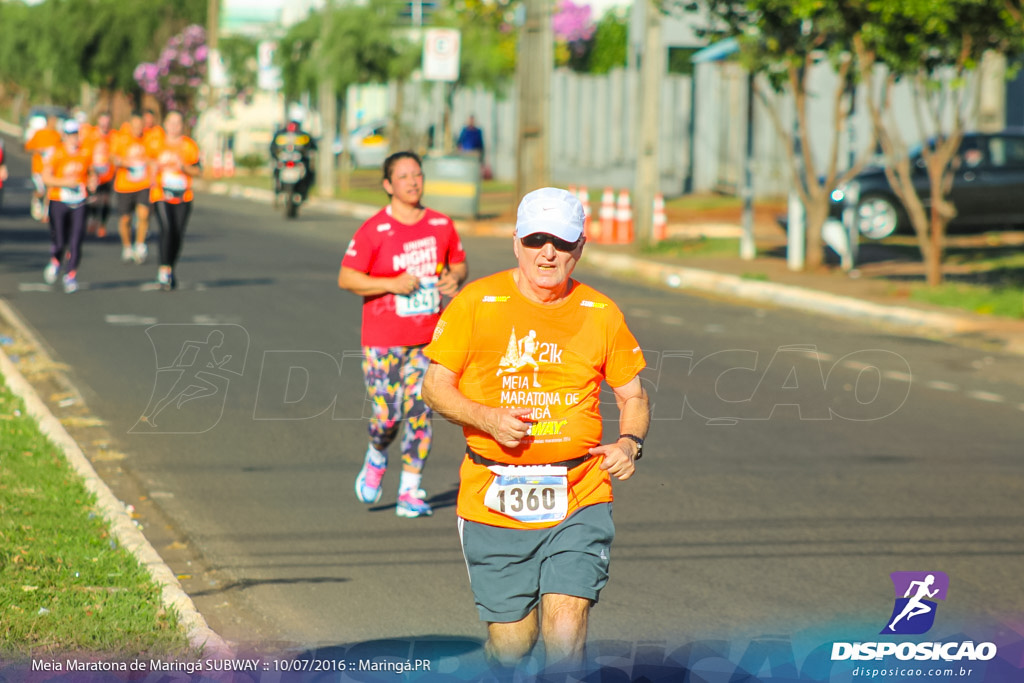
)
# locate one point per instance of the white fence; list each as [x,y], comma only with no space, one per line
[593,127]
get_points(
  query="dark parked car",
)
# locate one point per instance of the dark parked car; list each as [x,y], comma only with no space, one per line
[988,188]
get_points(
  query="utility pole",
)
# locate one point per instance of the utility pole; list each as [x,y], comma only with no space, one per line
[213,66]
[328,105]
[212,25]
[533,80]
[648,174]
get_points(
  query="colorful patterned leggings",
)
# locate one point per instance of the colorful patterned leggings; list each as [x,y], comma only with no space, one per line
[394,382]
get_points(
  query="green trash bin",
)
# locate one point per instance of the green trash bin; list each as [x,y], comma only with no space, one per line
[451,185]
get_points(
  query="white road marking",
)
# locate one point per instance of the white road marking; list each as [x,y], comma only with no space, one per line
[34,287]
[942,386]
[670,319]
[898,376]
[986,396]
[216,319]
[129,320]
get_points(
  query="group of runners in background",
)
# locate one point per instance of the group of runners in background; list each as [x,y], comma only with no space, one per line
[81,171]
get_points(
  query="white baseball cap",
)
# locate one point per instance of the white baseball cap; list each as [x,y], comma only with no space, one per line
[70,127]
[552,211]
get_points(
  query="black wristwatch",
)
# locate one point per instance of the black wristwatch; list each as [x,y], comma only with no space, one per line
[639,444]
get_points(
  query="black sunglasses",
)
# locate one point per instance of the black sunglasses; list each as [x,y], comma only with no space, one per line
[538,239]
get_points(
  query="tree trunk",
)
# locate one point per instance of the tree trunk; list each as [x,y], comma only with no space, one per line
[933,256]
[817,210]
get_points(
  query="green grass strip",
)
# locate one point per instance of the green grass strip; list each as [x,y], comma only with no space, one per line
[66,587]
[1007,302]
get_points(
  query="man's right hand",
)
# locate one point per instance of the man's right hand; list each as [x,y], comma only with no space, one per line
[509,426]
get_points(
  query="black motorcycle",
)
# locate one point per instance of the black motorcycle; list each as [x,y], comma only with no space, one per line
[291,172]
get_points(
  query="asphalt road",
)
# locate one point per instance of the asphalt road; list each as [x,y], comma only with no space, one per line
[794,462]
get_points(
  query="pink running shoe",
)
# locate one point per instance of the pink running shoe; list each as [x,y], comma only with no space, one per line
[368,488]
[411,506]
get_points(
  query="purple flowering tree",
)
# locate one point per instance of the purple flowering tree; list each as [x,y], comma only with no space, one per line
[176,76]
[573,24]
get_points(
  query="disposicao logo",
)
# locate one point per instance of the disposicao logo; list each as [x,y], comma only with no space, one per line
[913,613]
[916,593]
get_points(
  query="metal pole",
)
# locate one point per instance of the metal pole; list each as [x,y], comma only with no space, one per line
[533,81]
[328,105]
[748,245]
[648,175]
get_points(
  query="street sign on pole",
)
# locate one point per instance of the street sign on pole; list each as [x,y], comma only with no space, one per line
[441,54]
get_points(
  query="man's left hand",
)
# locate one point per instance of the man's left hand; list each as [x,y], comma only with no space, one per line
[618,459]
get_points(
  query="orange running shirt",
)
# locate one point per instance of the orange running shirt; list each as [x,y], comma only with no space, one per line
[69,165]
[153,135]
[42,144]
[511,352]
[134,175]
[101,161]
[171,183]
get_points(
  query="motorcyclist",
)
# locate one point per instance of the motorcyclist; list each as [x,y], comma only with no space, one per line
[292,138]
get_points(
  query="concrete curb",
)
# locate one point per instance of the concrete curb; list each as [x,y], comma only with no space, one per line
[789,296]
[907,319]
[783,295]
[10,129]
[199,634]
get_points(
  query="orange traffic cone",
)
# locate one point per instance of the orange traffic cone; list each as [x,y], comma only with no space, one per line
[229,164]
[623,219]
[606,216]
[218,165]
[584,196]
[660,221]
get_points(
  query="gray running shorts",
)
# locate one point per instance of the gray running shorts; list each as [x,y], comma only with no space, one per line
[509,569]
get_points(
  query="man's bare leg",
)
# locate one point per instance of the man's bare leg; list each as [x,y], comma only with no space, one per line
[508,643]
[564,629]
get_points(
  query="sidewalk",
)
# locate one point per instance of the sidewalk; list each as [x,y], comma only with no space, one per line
[876,292]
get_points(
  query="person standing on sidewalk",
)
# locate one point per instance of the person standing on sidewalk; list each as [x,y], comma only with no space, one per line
[68,176]
[402,260]
[177,163]
[131,188]
[518,360]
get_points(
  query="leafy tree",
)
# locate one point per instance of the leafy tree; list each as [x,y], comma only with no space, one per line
[358,45]
[350,44]
[51,48]
[573,28]
[239,54]
[179,71]
[932,45]
[488,41]
[608,46]
[782,41]
[299,72]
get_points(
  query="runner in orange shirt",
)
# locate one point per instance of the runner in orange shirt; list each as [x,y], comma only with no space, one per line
[151,130]
[42,144]
[99,138]
[519,359]
[67,174]
[177,163]
[131,189]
